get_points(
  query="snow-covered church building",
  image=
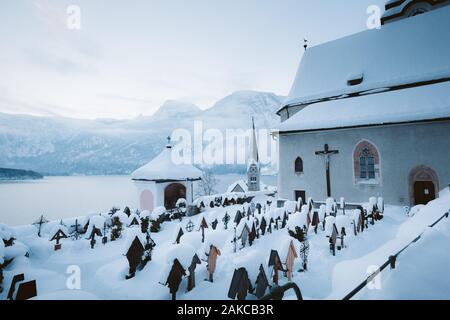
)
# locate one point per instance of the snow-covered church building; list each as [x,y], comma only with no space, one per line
[369,114]
[161,182]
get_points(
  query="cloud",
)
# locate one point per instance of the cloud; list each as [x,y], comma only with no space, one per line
[16,106]
[61,64]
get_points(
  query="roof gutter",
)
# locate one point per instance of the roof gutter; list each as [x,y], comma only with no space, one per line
[444,119]
[366,92]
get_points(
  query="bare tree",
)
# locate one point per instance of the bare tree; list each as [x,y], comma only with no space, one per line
[206,186]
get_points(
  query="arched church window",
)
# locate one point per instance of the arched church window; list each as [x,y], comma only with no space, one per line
[366,162]
[299,165]
[366,165]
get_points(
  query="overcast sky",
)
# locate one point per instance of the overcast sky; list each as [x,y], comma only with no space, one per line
[131,55]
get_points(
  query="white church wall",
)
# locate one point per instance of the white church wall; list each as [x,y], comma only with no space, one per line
[401,148]
[147,186]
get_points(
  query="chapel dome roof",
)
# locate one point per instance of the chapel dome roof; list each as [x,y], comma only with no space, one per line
[164,168]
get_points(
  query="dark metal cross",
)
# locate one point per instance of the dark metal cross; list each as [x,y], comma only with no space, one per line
[76,231]
[326,154]
[39,223]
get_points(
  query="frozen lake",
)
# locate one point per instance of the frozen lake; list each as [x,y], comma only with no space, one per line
[22,202]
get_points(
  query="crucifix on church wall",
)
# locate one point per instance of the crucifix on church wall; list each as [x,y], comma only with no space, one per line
[326,153]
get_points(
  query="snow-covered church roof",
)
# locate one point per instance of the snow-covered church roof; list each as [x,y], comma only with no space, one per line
[408,105]
[396,9]
[412,50]
[162,168]
[238,186]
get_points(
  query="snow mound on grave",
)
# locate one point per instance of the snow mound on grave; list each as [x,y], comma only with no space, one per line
[355,215]
[145,214]
[157,212]
[276,213]
[330,205]
[245,222]
[131,234]
[343,222]
[282,246]
[290,206]
[2,252]
[180,202]
[322,212]
[122,217]
[55,229]
[15,251]
[261,199]
[96,221]
[368,206]
[183,252]
[341,202]
[251,261]
[112,275]
[211,215]
[67,295]
[191,238]
[380,204]
[25,231]
[329,222]
[6,232]
[296,220]
[217,238]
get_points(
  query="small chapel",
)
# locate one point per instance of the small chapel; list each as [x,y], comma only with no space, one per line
[369,114]
[161,182]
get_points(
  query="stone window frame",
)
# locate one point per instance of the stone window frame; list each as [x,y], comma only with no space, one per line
[371,148]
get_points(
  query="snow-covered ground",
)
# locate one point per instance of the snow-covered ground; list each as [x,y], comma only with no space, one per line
[420,271]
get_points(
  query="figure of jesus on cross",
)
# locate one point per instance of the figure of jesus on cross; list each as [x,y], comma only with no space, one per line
[326,152]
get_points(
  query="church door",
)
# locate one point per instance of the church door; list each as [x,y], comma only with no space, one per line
[424,192]
[423,185]
[172,193]
[300,194]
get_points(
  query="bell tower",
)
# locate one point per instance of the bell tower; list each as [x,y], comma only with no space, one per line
[253,169]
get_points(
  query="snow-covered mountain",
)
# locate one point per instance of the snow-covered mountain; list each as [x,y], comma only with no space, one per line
[57,145]
[176,109]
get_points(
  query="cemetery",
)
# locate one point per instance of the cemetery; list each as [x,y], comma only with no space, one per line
[323,248]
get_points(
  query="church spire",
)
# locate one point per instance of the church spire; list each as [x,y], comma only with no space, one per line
[253,169]
[254,146]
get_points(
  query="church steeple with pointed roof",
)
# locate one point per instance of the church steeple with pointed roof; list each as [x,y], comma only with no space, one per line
[253,169]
